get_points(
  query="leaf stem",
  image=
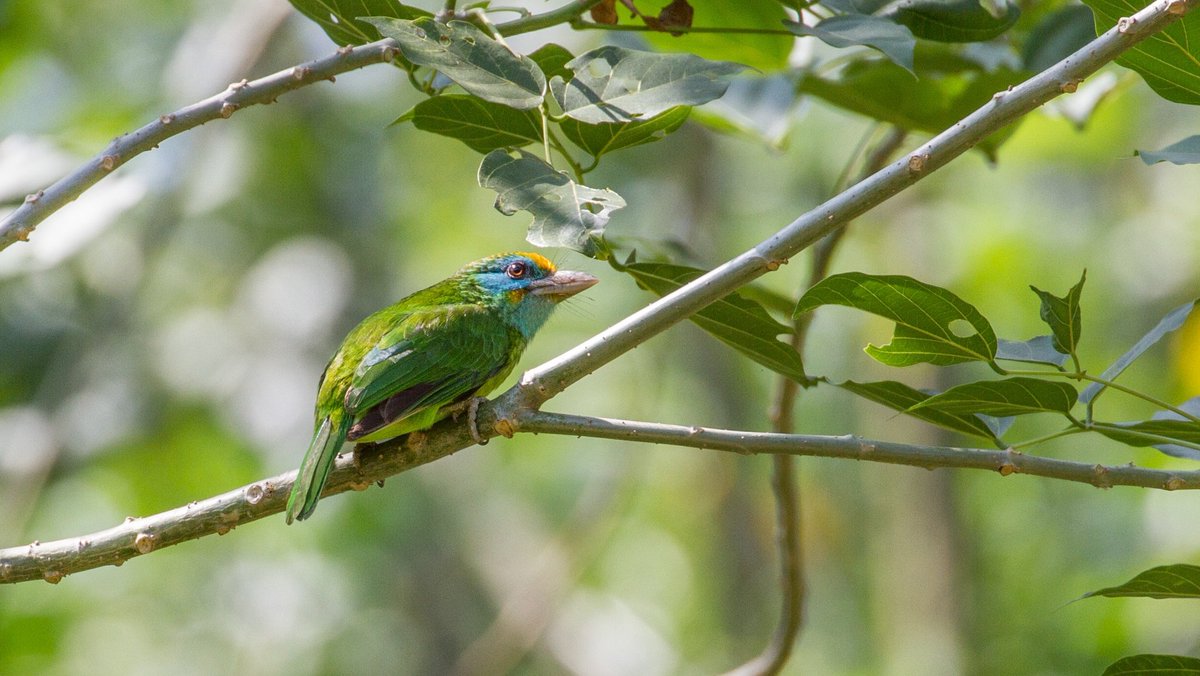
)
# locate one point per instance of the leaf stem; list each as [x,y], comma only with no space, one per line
[1053,435]
[1080,375]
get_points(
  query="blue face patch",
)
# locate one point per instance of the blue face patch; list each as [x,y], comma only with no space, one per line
[512,272]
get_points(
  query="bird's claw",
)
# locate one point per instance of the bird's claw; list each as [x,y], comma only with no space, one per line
[472,412]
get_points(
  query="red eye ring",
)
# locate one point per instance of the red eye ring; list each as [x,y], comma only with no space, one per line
[517,270]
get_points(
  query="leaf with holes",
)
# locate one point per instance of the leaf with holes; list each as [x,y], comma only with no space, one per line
[565,213]
[1158,665]
[612,84]
[925,317]
[1169,60]
[1186,151]
[553,59]
[339,18]
[1179,581]
[1039,350]
[1012,396]
[482,125]
[893,40]
[1063,316]
[470,58]
[1174,319]
[902,398]
[735,320]
[598,139]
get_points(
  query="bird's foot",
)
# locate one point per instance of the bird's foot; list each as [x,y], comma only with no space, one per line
[472,412]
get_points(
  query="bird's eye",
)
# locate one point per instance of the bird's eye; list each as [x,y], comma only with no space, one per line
[517,270]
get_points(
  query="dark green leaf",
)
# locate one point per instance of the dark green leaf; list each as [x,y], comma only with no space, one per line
[883,91]
[598,139]
[339,18]
[735,320]
[612,84]
[1157,433]
[1057,36]
[1012,396]
[1186,151]
[1169,60]
[471,58]
[902,398]
[1191,406]
[951,20]
[927,318]
[561,208]
[1174,319]
[553,60]
[895,41]
[761,51]
[482,125]
[1039,350]
[1154,665]
[1179,581]
[1063,316]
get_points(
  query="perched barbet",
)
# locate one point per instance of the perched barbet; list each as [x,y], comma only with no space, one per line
[412,363]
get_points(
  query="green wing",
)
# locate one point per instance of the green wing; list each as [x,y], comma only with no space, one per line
[429,359]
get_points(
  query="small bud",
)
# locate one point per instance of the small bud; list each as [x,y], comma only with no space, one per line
[167,119]
[5,571]
[916,163]
[331,78]
[1125,24]
[345,50]
[33,197]
[1006,468]
[239,85]
[144,543]
[254,494]
[228,109]
[1177,7]
[53,576]
[1173,484]
[109,162]
[130,519]
[505,428]
[301,72]
[1069,86]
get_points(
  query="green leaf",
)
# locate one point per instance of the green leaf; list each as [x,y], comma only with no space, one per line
[895,41]
[553,60]
[612,84]
[951,20]
[761,51]
[1039,350]
[1057,36]
[1178,581]
[1063,316]
[1012,396]
[1157,433]
[1169,61]
[883,91]
[565,213]
[928,318]
[1174,319]
[338,18]
[1186,151]
[738,322]
[1155,665]
[598,139]
[1191,406]
[902,398]
[471,58]
[482,125]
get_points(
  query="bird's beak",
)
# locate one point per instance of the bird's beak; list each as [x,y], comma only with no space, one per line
[562,284]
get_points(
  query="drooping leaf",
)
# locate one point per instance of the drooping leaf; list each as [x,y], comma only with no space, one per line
[894,40]
[1063,316]
[927,317]
[1191,406]
[762,51]
[482,125]
[1039,350]
[735,320]
[1169,60]
[613,84]
[470,58]
[1178,581]
[883,91]
[1186,151]
[1011,396]
[1057,36]
[598,139]
[565,213]
[339,18]
[1174,319]
[553,60]
[951,20]
[1154,665]
[902,398]
[1161,434]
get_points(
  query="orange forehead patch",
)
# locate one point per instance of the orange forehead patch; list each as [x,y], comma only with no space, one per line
[538,260]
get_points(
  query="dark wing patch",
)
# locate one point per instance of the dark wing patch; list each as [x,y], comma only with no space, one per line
[393,408]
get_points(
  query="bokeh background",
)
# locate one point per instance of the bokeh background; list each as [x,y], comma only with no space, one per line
[161,339]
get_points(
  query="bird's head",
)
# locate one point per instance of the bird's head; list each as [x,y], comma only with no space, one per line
[525,286]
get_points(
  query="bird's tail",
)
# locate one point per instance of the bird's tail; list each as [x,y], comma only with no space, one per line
[314,470]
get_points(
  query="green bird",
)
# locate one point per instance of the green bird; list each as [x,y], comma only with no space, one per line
[413,363]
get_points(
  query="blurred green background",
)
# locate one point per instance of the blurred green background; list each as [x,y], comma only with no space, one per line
[161,340]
